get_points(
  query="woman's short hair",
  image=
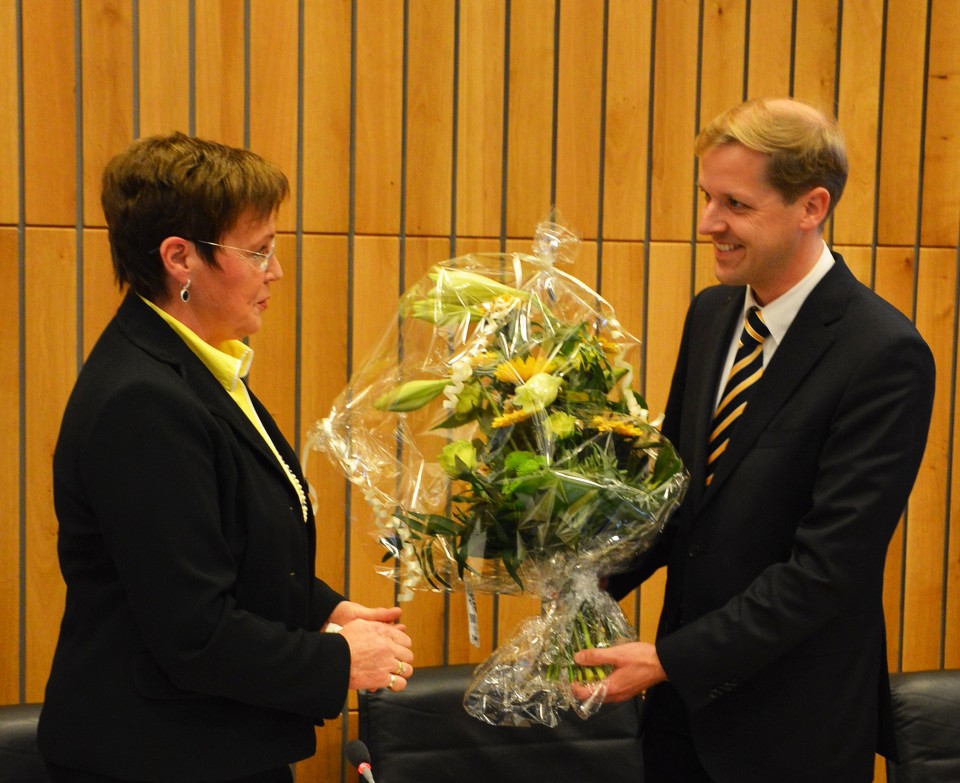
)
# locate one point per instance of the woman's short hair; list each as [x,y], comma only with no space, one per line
[179,185]
[806,147]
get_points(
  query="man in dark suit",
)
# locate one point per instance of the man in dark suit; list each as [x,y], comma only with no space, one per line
[769,664]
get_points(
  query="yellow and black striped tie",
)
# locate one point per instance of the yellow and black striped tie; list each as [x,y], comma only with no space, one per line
[746,371]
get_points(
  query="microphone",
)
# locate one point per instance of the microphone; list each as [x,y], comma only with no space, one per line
[359,757]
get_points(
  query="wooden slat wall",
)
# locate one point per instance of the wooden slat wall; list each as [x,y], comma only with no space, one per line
[414,130]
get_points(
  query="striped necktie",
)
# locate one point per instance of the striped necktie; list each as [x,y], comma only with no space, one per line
[746,371]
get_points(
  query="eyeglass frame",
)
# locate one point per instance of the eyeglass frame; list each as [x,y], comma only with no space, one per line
[260,260]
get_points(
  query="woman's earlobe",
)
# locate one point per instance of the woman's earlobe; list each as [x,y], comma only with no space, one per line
[175,256]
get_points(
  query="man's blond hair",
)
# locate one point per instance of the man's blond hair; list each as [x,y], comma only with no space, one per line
[805,146]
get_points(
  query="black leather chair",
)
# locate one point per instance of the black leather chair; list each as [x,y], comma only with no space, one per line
[926,713]
[20,761]
[424,734]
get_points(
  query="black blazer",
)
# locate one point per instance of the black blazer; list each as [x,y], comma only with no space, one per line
[772,627]
[188,648]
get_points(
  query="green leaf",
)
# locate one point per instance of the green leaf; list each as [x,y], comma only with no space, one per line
[512,563]
[436,524]
[667,465]
[431,567]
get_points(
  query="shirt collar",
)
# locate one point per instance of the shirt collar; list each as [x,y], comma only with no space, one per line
[779,314]
[229,362]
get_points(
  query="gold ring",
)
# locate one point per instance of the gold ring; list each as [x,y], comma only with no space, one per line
[401,668]
[393,679]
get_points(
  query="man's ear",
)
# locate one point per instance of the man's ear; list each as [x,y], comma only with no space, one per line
[816,207]
[177,256]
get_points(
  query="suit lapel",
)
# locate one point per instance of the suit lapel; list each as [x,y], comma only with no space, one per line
[145,328]
[808,338]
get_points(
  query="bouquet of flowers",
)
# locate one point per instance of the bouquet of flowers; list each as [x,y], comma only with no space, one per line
[496,435]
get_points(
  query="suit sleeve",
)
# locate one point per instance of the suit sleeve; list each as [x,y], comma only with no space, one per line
[323,601]
[834,568]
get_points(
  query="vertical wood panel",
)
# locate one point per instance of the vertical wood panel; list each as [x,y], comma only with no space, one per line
[429,118]
[529,131]
[814,65]
[107,70]
[674,118]
[623,286]
[578,114]
[324,334]
[10,570]
[771,30]
[49,144]
[379,57]
[902,117]
[164,34]
[376,276]
[51,368]
[480,117]
[724,49]
[892,277]
[859,117]
[9,114]
[625,166]
[952,577]
[326,116]
[924,593]
[941,185]
[219,37]
[925,545]
[274,33]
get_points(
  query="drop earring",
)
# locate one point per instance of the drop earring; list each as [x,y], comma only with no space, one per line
[185,291]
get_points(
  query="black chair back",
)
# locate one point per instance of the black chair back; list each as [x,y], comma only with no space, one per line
[424,734]
[926,714]
[20,761]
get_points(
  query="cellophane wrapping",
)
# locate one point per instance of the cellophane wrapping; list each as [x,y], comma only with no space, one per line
[496,434]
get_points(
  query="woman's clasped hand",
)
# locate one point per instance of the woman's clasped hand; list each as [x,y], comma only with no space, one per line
[380,650]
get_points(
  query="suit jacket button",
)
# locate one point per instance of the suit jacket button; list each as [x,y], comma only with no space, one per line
[694,550]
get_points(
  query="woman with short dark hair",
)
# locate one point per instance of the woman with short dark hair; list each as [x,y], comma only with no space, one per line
[193,643]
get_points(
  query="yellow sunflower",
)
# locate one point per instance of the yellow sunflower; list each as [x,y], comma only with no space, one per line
[521,369]
[619,426]
[513,417]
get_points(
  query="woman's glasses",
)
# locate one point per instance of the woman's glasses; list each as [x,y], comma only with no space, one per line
[260,260]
